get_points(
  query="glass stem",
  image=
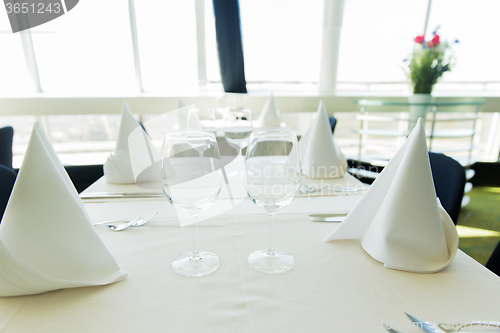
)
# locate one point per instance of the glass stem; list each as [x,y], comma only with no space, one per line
[196,251]
[270,250]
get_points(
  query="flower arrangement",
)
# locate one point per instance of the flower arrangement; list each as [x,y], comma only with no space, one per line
[429,60]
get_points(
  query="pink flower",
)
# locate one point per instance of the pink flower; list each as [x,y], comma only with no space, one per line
[420,39]
[435,40]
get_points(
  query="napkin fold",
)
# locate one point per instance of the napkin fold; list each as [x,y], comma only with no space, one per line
[47,241]
[270,116]
[399,219]
[135,159]
[320,154]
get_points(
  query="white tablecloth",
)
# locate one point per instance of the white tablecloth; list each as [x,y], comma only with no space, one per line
[334,286]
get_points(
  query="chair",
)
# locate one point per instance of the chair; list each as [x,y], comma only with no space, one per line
[83,176]
[493,263]
[6,137]
[449,182]
[7,179]
[333,123]
[448,176]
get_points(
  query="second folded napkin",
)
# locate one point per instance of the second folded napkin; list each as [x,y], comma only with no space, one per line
[135,159]
[270,116]
[399,219]
[320,154]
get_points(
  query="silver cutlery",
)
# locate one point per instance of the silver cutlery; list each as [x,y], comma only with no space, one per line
[335,217]
[145,220]
[117,195]
[137,222]
[118,227]
[430,327]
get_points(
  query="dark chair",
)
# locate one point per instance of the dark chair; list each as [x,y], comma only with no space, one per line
[449,182]
[6,137]
[83,176]
[364,171]
[333,123]
[7,180]
[493,263]
[448,176]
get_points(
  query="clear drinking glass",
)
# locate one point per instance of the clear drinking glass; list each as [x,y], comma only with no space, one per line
[191,180]
[204,117]
[238,126]
[272,180]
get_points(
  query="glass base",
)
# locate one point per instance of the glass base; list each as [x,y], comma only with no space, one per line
[204,264]
[271,263]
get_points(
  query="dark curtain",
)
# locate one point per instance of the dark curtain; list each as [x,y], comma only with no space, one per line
[229,46]
[6,138]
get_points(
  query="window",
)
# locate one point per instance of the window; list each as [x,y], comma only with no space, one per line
[167,45]
[213,70]
[87,51]
[475,24]
[376,37]
[281,40]
[14,78]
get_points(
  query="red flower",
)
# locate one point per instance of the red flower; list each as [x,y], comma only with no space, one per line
[435,40]
[420,39]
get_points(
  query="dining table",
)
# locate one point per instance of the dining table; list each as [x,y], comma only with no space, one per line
[333,287]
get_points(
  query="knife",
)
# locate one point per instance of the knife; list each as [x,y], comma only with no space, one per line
[117,195]
[336,217]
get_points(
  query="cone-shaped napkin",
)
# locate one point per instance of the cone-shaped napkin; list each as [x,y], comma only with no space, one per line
[399,219]
[320,154]
[270,116]
[134,153]
[47,241]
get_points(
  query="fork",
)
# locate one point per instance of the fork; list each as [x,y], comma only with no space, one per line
[119,227]
[135,222]
[145,220]
[430,327]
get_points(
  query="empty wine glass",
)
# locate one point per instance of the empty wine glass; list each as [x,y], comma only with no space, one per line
[191,180]
[204,117]
[238,126]
[272,180]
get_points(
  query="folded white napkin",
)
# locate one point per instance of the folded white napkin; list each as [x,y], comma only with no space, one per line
[399,220]
[135,159]
[270,116]
[47,241]
[320,154]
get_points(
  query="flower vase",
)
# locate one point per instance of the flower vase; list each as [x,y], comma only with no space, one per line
[419,107]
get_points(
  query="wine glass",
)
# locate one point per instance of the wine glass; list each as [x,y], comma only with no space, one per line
[238,126]
[192,180]
[204,117]
[272,179]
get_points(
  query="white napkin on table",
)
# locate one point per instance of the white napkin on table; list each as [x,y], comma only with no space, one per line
[135,158]
[270,116]
[320,154]
[399,220]
[47,241]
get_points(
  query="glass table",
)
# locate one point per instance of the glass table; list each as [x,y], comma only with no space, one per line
[444,120]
